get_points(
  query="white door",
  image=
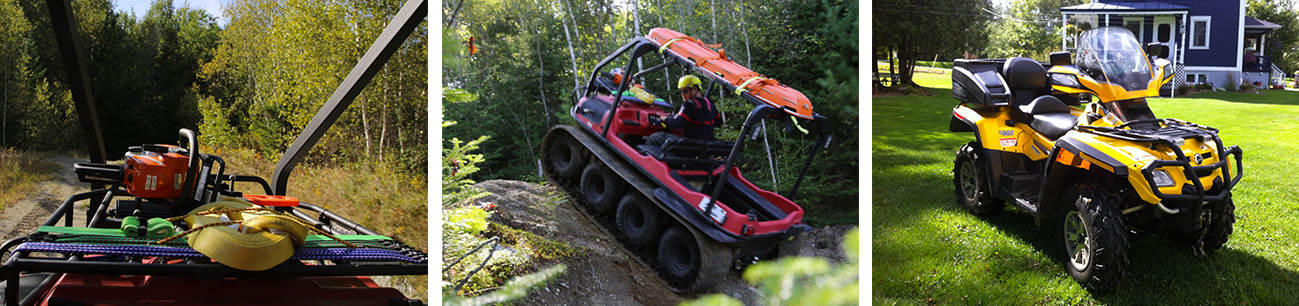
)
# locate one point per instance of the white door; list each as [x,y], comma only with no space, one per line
[1166,34]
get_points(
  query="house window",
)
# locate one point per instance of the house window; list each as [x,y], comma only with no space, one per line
[1134,24]
[1200,32]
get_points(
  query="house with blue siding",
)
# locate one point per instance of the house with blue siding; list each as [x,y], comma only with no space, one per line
[1209,41]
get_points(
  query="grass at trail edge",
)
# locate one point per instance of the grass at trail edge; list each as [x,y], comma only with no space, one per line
[928,250]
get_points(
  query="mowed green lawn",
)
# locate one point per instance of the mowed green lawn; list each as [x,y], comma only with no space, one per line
[927,250]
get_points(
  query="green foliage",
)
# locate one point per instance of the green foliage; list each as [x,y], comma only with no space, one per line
[457,165]
[1281,43]
[280,61]
[540,247]
[716,299]
[471,220]
[909,30]
[802,280]
[515,289]
[938,64]
[1028,28]
[140,72]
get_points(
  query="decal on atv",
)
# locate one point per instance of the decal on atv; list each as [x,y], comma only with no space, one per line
[1009,142]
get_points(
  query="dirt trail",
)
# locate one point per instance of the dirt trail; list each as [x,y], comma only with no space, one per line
[607,274]
[22,218]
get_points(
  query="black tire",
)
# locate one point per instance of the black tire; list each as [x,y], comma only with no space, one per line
[687,264]
[1220,227]
[971,180]
[1095,239]
[602,188]
[567,156]
[788,248]
[641,221]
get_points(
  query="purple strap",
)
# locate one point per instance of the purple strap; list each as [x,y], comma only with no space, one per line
[179,252]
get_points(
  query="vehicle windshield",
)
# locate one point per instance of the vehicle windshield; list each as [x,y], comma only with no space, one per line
[1115,53]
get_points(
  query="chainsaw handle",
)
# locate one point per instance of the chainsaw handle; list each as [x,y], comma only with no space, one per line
[191,172]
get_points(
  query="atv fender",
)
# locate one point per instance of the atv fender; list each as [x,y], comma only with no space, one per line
[959,124]
[1071,162]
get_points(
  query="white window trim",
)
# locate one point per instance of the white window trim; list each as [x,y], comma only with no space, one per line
[1208,29]
[1141,26]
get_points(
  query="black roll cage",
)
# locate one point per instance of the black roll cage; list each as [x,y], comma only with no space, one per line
[641,46]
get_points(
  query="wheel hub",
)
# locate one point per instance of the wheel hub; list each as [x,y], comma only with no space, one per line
[1076,242]
[969,183]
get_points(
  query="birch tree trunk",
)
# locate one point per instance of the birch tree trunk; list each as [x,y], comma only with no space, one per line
[571,55]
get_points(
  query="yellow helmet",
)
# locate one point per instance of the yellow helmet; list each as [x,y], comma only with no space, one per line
[688,80]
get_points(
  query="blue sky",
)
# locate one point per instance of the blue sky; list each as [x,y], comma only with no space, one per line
[140,7]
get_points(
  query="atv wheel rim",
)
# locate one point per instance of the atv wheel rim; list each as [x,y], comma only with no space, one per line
[969,183]
[1076,242]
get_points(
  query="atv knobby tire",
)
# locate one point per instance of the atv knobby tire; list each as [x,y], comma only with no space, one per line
[602,189]
[640,221]
[1224,216]
[972,186]
[567,157]
[688,264]
[1095,239]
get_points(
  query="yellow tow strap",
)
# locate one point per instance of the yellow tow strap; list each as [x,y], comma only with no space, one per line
[741,89]
[669,43]
[252,245]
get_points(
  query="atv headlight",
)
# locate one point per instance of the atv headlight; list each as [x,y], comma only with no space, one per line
[1162,179]
[1065,80]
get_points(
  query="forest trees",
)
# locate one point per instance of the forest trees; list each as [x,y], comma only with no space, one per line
[140,71]
[279,61]
[907,29]
[256,83]
[532,54]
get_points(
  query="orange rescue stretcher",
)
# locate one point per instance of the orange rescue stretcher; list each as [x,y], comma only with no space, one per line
[708,61]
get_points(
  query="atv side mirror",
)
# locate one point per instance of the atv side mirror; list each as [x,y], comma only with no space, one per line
[1061,58]
[1155,49]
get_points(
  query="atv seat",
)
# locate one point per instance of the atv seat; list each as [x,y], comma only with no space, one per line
[1048,116]
[697,147]
[1026,78]
[675,161]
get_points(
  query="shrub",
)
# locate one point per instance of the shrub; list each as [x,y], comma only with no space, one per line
[1231,83]
[1181,90]
[1204,86]
[1246,87]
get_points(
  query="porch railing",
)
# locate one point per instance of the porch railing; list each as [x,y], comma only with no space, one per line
[1277,76]
[1261,63]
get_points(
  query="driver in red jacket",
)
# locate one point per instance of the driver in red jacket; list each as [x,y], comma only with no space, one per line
[696,118]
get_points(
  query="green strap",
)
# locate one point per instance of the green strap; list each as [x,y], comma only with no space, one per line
[118,233]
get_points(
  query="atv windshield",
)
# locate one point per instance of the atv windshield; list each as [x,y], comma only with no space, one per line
[1112,54]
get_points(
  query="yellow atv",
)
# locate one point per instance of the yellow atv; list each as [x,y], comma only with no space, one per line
[1101,173]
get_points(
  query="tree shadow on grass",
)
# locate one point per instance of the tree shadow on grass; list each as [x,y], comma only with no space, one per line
[1161,271]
